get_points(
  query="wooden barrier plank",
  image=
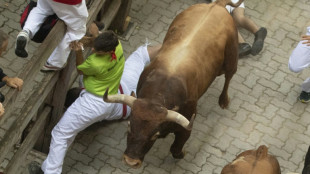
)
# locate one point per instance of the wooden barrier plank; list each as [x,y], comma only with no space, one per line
[119,22]
[28,111]
[40,56]
[21,154]
[110,14]
[31,69]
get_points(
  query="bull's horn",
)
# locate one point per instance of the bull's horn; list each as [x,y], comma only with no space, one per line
[118,98]
[180,119]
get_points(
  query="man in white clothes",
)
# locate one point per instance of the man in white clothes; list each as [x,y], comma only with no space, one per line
[299,60]
[89,108]
[73,12]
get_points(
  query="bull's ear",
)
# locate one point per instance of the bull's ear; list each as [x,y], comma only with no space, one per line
[133,94]
[262,152]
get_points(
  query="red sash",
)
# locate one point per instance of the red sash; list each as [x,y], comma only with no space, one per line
[69,2]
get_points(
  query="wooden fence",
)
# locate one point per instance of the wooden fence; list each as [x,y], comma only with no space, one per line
[45,106]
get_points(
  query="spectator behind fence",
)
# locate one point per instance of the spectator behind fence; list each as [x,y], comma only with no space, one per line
[73,12]
[242,21]
[299,60]
[13,82]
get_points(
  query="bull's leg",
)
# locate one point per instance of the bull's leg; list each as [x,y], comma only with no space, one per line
[224,99]
[180,139]
[230,67]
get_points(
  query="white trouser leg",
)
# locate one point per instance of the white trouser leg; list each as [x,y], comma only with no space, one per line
[86,110]
[75,17]
[300,59]
[37,16]
[60,55]
[134,66]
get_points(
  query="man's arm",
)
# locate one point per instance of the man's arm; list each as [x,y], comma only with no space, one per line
[88,41]
[78,48]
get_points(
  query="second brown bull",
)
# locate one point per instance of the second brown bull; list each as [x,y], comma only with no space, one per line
[201,44]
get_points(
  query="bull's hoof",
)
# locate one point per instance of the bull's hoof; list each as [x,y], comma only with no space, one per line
[223,102]
[179,155]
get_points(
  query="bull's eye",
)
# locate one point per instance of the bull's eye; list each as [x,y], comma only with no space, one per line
[129,130]
[155,136]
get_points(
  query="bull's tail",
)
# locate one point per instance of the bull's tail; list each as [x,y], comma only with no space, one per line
[228,2]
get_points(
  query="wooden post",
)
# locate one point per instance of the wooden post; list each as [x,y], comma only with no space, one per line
[20,156]
[28,111]
[120,19]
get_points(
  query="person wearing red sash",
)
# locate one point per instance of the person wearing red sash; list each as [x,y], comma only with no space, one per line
[104,68]
[73,12]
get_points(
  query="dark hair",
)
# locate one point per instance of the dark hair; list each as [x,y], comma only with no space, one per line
[107,41]
[3,37]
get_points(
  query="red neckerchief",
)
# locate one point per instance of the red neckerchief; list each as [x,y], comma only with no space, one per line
[113,55]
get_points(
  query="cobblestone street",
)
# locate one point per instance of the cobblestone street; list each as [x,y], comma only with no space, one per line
[263,94]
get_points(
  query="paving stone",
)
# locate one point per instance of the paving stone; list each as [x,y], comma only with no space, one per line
[84,168]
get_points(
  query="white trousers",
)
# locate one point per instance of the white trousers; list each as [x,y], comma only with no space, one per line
[300,59]
[75,18]
[88,109]
[229,8]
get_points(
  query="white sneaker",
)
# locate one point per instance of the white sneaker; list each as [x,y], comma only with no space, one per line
[49,68]
[21,44]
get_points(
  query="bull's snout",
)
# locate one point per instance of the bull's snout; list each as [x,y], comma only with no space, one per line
[133,163]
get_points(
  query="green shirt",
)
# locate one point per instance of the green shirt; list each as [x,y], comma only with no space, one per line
[100,72]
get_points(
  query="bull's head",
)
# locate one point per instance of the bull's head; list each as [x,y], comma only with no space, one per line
[144,126]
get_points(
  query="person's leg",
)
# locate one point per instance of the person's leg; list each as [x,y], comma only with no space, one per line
[75,17]
[244,48]
[245,22]
[299,60]
[36,17]
[86,110]
[134,66]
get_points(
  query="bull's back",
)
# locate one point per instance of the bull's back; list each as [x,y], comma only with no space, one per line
[195,44]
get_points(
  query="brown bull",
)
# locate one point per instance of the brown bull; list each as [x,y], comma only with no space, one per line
[253,162]
[201,44]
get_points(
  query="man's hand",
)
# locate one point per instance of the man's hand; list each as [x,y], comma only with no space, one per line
[14,82]
[76,46]
[307,39]
[1,109]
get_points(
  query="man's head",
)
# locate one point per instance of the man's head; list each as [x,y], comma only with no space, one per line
[105,42]
[4,40]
